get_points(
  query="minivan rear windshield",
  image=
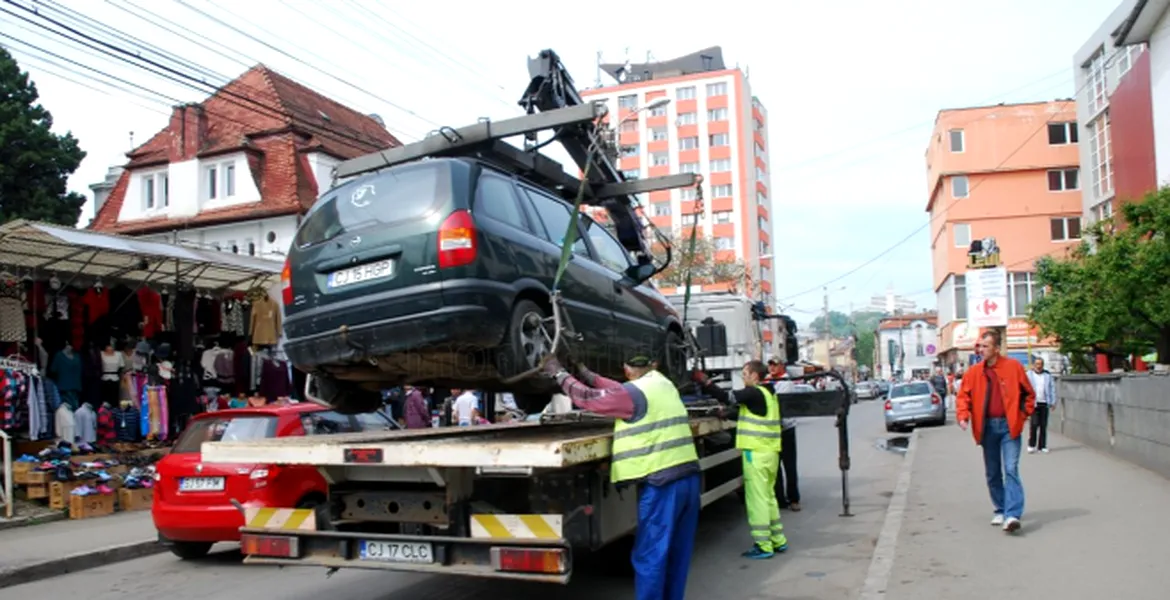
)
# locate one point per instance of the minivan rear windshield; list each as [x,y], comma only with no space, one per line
[224,429]
[394,195]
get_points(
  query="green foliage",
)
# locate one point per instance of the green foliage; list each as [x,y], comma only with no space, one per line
[860,323]
[34,162]
[1111,293]
[704,264]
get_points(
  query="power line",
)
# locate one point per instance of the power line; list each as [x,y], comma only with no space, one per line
[41,62]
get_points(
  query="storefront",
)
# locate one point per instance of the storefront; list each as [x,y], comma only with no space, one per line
[111,341]
[1023,343]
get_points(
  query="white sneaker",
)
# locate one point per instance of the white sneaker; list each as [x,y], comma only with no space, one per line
[1011,525]
[997,520]
[1031,450]
[1045,450]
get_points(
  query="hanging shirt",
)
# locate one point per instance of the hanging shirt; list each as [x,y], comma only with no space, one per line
[150,303]
[66,371]
[65,427]
[105,425]
[112,365]
[126,424]
[85,424]
[265,323]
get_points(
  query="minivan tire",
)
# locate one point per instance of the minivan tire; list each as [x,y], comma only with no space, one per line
[673,361]
[517,353]
[347,397]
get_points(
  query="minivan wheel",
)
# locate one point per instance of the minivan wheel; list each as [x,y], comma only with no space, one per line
[527,340]
[348,397]
[674,357]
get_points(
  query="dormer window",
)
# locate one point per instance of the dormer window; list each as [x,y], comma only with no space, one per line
[220,180]
[156,191]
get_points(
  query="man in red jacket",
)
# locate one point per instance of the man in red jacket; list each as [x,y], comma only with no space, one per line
[996,400]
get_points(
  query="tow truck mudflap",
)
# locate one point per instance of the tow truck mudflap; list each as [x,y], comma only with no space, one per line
[544,560]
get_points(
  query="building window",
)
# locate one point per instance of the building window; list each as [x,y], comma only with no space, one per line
[229,181]
[719,139]
[690,220]
[630,126]
[1103,210]
[722,216]
[691,167]
[761,198]
[212,183]
[657,134]
[1023,290]
[631,174]
[148,192]
[716,89]
[629,102]
[659,159]
[960,296]
[685,93]
[165,185]
[962,234]
[919,345]
[1064,180]
[658,111]
[721,191]
[1062,133]
[1126,57]
[720,164]
[957,140]
[760,174]
[960,187]
[725,243]
[717,114]
[687,193]
[759,149]
[251,246]
[629,151]
[688,143]
[1101,159]
[662,209]
[1098,93]
[688,118]
[1065,229]
[763,224]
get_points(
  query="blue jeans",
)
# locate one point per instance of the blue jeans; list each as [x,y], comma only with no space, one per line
[1001,461]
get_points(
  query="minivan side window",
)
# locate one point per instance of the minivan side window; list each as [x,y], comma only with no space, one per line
[555,216]
[494,198]
[609,251]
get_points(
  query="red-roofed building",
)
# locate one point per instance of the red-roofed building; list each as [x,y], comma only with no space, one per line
[236,171]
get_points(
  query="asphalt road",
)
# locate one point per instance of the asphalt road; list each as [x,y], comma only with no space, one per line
[828,558]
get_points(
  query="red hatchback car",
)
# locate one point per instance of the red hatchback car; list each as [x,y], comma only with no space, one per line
[192,507]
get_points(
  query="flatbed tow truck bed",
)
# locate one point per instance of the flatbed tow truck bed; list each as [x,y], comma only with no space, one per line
[513,500]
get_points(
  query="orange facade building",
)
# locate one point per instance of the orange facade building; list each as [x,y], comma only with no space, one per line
[1010,172]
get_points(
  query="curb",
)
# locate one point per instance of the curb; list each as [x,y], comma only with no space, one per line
[31,521]
[79,562]
[882,564]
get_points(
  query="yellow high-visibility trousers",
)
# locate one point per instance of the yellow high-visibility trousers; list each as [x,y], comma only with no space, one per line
[759,480]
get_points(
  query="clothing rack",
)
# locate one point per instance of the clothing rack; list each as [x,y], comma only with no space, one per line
[15,363]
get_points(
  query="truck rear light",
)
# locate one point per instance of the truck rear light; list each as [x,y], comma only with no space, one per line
[279,546]
[286,293]
[457,245]
[889,406]
[529,560]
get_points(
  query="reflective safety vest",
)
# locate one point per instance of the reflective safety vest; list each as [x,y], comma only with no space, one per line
[658,441]
[756,432]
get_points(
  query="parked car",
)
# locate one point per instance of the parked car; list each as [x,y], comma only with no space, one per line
[192,507]
[914,403]
[439,273]
[866,390]
[883,389]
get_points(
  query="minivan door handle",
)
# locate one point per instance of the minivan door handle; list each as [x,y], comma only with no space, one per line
[357,258]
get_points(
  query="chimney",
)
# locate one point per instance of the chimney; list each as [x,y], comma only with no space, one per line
[188,132]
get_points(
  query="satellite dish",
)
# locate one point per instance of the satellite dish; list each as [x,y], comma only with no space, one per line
[378,119]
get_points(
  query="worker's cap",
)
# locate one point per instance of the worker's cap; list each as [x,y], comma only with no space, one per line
[639,361]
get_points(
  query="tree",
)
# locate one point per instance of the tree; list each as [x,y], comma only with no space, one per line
[34,162]
[705,264]
[861,324]
[1109,295]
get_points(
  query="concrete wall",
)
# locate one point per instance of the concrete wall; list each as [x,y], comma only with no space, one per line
[1127,415]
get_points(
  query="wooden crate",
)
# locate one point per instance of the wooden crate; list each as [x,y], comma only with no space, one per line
[37,491]
[88,507]
[38,478]
[20,472]
[139,499]
[59,493]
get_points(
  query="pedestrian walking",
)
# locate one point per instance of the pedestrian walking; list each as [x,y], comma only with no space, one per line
[1045,388]
[758,433]
[649,414]
[996,400]
[417,416]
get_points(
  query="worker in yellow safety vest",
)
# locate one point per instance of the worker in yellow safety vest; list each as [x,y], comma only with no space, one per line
[757,433]
[654,450]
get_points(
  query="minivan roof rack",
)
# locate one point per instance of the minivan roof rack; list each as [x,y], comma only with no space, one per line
[551,103]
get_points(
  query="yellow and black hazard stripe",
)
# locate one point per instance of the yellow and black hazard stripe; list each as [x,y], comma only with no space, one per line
[516,527]
[282,519]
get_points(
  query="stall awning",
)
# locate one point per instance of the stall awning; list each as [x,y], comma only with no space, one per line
[56,249]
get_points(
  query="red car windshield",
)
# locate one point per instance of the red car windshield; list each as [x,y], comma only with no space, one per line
[224,429]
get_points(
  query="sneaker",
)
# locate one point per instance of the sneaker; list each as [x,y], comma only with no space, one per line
[781,549]
[997,520]
[757,553]
[1011,525]
[794,507]
[1045,450]
[1031,450]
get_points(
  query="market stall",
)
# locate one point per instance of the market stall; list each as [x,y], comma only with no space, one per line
[108,340]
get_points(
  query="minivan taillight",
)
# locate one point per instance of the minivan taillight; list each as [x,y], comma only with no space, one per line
[457,244]
[286,293]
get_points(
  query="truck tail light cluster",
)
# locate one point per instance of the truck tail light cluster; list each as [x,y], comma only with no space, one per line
[278,546]
[530,560]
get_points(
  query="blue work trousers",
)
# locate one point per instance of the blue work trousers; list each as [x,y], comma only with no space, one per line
[668,517]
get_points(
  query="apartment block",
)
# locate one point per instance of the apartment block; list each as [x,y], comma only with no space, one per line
[1011,172]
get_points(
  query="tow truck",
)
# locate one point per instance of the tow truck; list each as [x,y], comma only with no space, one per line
[518,500]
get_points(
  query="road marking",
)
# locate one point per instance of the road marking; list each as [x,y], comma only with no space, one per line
[516,527]
[877,579]
[284,519]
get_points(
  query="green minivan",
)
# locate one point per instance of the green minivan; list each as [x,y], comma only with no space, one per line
[438,273]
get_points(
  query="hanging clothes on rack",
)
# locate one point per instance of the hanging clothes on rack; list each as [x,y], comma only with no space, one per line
[266,321]
[66,430]
[150,302]
[153,409]
[106,431]
[40,426]
[127,423]
[85,424]
[65,371]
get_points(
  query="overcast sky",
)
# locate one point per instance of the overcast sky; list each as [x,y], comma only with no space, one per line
[852,88]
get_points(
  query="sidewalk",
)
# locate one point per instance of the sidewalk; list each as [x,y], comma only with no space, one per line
[40,551]
[1094,527]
